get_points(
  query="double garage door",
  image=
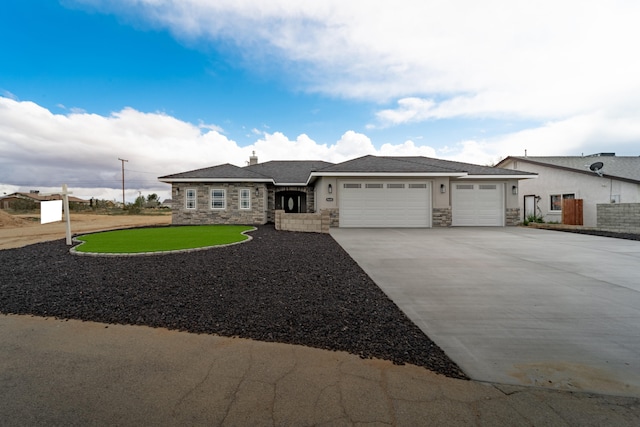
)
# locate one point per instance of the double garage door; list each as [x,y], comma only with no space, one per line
[385,204]
[408,204]
[477,204]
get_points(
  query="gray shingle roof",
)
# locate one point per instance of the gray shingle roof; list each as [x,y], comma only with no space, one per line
[281,172]
[386,164]
[288,171]
[298,172]
[219,172]
[625,167]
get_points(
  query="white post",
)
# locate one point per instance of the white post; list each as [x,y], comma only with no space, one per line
[65,203]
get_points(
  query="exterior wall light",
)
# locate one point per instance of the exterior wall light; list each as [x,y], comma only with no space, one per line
[330,189]
[514,190]
[443,188]
[257,191]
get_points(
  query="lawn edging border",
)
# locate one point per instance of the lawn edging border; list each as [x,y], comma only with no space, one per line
[74,250]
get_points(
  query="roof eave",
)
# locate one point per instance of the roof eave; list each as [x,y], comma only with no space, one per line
[387,174]
[499,176]
[196,180]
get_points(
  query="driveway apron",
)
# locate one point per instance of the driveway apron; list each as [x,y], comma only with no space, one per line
[516,305]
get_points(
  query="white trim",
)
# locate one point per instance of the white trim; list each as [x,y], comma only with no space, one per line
[194,180]
[242,199]
[399,175]
[224,199]
[499,177]
[187,199]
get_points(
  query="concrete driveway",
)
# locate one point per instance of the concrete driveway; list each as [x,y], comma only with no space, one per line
[516,305]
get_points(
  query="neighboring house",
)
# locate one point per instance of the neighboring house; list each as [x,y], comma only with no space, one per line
[596,179]
[15,200]
[368,191]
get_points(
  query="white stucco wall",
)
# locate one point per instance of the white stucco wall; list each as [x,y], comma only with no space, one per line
[591,188]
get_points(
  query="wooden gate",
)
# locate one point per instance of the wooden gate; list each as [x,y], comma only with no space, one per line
[572,212]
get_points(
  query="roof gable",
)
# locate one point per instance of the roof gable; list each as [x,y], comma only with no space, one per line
[625,168]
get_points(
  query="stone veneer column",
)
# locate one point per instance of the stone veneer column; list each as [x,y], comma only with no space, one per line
[441,217]
[512,216]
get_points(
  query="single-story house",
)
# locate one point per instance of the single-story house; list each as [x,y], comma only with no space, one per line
[18,199]
[602,178]
[369,191]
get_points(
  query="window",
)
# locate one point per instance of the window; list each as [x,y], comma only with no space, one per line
[395,186]
[417,185]
[218,199]
[190,198]
[352,185]
[556,200]
[487,186]
[373,186]
[245,198]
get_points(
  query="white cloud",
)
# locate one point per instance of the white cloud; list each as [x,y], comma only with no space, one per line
[543,61]
[575,136]
[42,150]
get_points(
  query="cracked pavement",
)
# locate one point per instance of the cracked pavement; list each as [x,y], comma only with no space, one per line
[66,372]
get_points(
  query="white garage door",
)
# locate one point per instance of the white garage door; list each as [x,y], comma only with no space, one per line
[477,204]
[385,204]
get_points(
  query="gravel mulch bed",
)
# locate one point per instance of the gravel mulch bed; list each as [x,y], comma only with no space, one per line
[297,288]
[613,234]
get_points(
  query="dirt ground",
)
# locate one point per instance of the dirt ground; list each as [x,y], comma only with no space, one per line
[22,230]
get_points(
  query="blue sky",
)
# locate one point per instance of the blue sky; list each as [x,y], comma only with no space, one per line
[178,85]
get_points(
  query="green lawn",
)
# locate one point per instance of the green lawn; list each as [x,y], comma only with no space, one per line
[159,239]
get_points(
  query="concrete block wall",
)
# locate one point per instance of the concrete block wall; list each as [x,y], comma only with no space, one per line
[619,217]
[304,222]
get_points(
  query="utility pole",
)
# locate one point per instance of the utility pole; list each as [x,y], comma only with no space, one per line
[123,160]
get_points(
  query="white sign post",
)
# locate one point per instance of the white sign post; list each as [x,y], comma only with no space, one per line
[67,214]
[51,211]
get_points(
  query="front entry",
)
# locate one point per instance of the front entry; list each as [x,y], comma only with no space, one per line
[291,201]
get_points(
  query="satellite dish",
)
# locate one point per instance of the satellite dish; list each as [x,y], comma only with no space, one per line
[597,167]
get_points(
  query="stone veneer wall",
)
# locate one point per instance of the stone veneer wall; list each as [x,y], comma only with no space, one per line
[305,222]
[271,203]
[512,216]
[203,214]
[441,217]
[619,217]
[334,217]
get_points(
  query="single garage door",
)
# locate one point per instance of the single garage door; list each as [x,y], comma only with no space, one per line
[477,204]
[385,204]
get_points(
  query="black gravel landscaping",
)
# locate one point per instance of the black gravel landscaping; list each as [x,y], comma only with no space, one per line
[601,233]
[297,288]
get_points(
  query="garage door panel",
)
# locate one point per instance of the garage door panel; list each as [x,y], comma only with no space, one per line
[478,204]
[385,204]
